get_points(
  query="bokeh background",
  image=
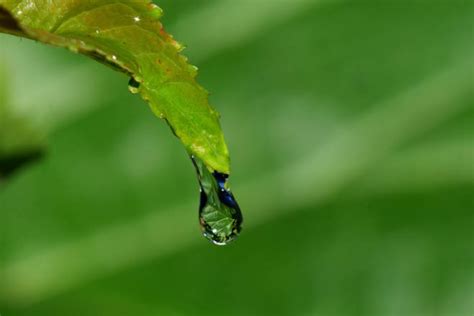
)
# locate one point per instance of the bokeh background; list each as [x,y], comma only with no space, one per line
[350,125]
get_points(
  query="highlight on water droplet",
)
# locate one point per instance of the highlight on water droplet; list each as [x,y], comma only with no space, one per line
[220,217]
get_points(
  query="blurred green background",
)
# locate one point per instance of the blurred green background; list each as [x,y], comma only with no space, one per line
[350,126]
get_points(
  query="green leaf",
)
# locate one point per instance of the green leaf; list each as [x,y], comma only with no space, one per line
[128,36]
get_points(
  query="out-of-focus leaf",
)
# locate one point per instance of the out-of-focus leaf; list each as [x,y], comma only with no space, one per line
[19,142]
[128,36]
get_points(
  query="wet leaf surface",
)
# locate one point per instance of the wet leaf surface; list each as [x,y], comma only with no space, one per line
[129,37]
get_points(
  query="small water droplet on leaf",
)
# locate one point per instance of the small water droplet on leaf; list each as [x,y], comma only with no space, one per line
[156,12]
[133,86]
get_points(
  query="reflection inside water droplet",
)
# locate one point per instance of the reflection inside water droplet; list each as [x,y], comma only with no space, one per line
[219,214]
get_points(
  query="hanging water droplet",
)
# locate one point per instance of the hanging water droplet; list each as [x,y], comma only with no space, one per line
[133,86]
[219,214]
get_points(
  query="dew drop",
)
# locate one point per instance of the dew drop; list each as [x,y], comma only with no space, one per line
[73,49]
[219,214]
[137,19]
[155,11]
[133,86]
